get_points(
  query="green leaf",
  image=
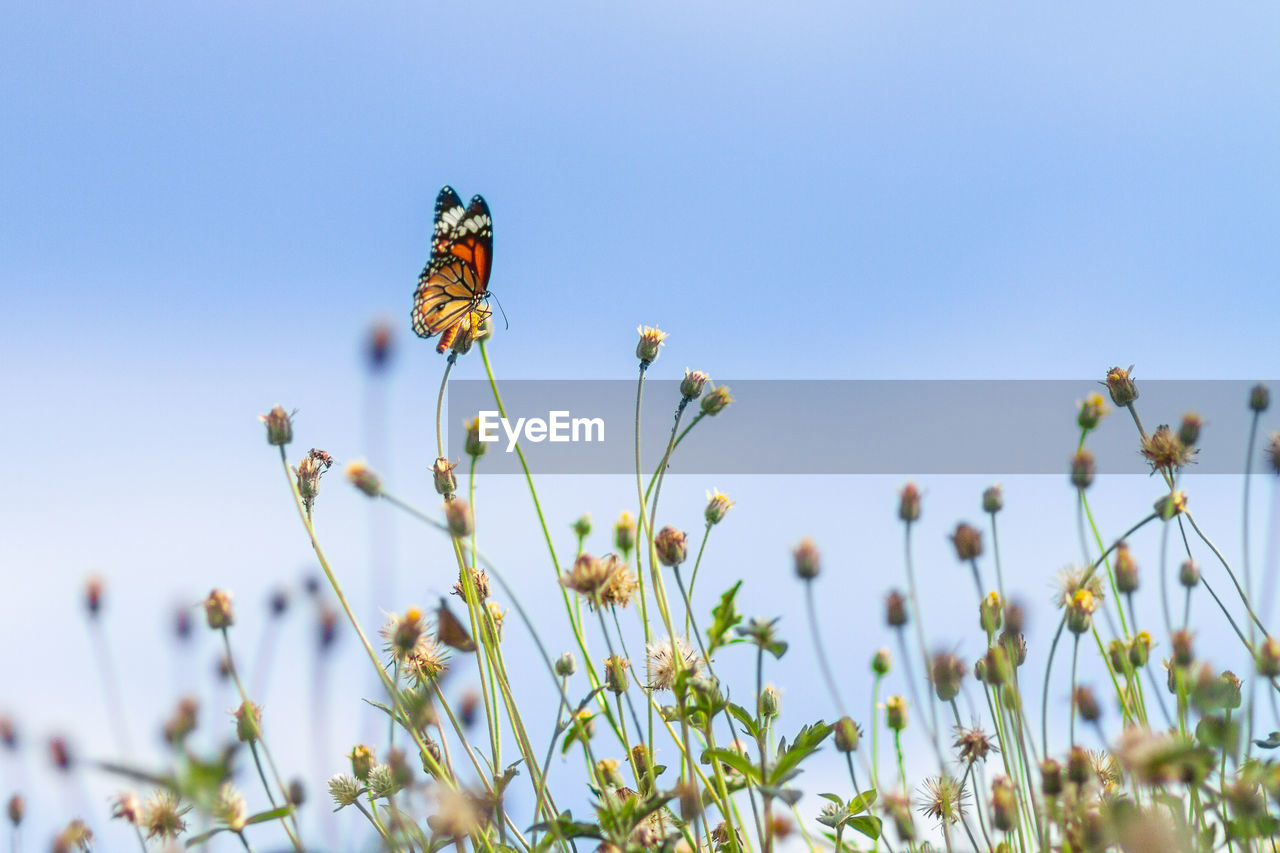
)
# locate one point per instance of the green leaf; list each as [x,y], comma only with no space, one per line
[806,742]
[863,802]
[743,716]
[869,825]
[835,798]
[777,648]
[197,840]
[724,616]
[737,761]
[273,814]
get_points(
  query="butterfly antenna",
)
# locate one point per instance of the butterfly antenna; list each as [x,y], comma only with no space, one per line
[506,325]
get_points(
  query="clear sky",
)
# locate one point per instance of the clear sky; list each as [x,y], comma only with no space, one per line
[205,205]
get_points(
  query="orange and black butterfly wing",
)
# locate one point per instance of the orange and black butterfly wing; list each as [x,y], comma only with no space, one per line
[457,275]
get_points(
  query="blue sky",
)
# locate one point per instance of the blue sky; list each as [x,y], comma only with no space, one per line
[204,206]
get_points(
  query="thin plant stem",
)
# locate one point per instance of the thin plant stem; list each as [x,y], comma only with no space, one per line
[823,663]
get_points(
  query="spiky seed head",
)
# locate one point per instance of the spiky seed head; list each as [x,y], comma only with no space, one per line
[230,808]
[162,815]
[942,799]
[1165,451]
[1121,386]
[973,744]
[344,789]
[665,658]
[279,424]
[621,588]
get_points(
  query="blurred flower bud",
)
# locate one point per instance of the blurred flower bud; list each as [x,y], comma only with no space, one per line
[1121,386]
[1189,573]
[1050,777]
[881,662]
[457,515]
[17,808]
[1086,704]
[1169,505]
[360,475]
[947,672]
[615,674]
[566,665]
[989,613]
[993,499]
[379,346]
[967,541]
[1082,469]
[474,447]
[670,545]
[1269,658]
[807,562]
[1183,648]
[624,533]
[362,762]
[1079,765]
[1092,410]
[1004,805]
[442,476]
[217,610]
[1140,649]
[770,701]
[1189,429]
[248,722]
[1126,569]
[279,425]
[1080,611]
[909,503]
[1259,398]
[93,595]
[582,526]
[895,610]
[895,713]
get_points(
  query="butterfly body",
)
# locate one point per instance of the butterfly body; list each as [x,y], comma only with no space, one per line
[452,293]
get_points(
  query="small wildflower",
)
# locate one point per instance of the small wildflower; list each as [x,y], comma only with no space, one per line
[1120,385]
[127,807]
[566,665]
[1004,805]
[382,783]
[716,400]
[308,473]
[1189,429]
[946,673]
[847,735]
[621,589]
[650,342]
[590,576]
[1269,658]
[360,475]
[162,816]
[76,834]
[458,518]
[993,499]
[443,478]
[248,722]
[942,799]
[1082,469]
[230,808]
[1259,398]
[1165,451]
[474,447]
[479,581]
[279,425]
[692,384]
[1050,777]
[973,744]
[967,541]
[624,533]
[1125,569]
[1140,650]
[881,662]
[615,674]
[671,546]
[895,713]
[402,633]
[582,526]
[217,610]
[665,658]
[990,613]
[1093,409]
[717,506]
[895,609]
[1169,505]
[770,701]
[1080,611]
[1072,579]
[807,560]
[909,503]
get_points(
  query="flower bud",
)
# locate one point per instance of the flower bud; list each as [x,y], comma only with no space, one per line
[770,701]
[1126,570]
[1189,429]
[1079,767]
[1086,704]
[640,756]
[1169,505]
[442,475]
[1015,645]
[967,541]
[624,533]
[1014,617]
[458,517]
[217,610]
[607,772]
[909,503]
[717,506]
[1140,649]
[566,665]
[1082,469]
[995,666]
[715,400]
[947,672]
[880,662]
[1050,777]
[1004,805]
[650,342]
[1080,611]
[895,610]
[279,425]
[363,478]
[895,713]
[581,527]
[989,613]
[248,722]
[670,545]
[692,384]
[1121,386]
[474,447]
[1183,648]
[847,735]
[1189,573]
[362,762]
[1269,658]
[17,808]
[1092,410]
[615,674]
[1117,655]
[993,499]
[807,562]
[1259,398]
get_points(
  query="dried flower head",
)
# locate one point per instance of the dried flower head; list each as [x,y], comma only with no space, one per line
[127,807]
[443,478]
[402,633]
[344,789]
[1165,450]
[1121,386]
[230,809]
[308,473]
[279,425]
[909,503]
[360,475]
[667,657]
[162,815]
[1092,409]
[458,518]
[182,722]
[76,835]
[942,799]
[973,744]
[590,576]
[718,505]
[895,609]
[650,342]
[622,587]
[1083,469]
[1071,579]
[217,610]
[479,580]
[946,672]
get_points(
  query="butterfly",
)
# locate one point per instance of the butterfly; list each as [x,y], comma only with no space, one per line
[450,630]
[452,293]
